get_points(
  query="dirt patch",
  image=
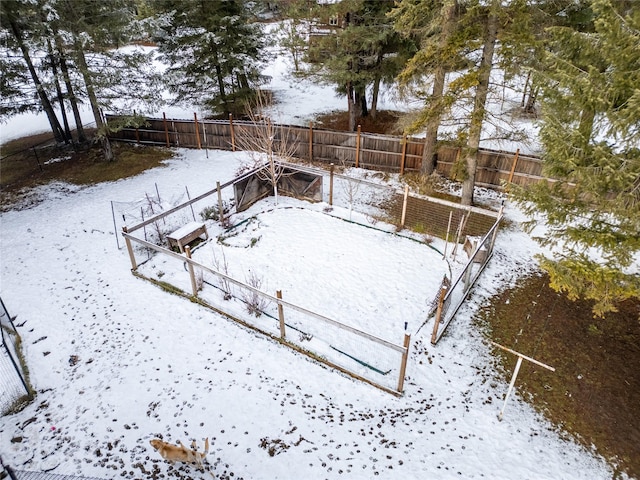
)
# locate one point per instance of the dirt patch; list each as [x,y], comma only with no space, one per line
[594,394]
[384,122]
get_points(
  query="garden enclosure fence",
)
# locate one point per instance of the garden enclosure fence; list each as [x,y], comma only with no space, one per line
[12,373]
[359,353]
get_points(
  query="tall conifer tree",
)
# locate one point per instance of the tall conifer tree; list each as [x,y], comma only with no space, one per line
[214,52]
[362,51]
[591,138]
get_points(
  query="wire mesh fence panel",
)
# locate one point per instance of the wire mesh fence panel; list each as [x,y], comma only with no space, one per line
[12,387]
[325,339]
[354,351]
[461,285]
[29,475]
[12,375]
[157,219]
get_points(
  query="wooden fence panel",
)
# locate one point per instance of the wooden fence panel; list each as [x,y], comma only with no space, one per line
[413,155]
[216,135]
[380,152]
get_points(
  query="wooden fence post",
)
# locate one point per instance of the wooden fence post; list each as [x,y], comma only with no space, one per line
[436,323]
[404,153]
[220,205]
[311,141]
[195,124]
[132,256]
[404,206]
[166,129]
[331,168]
[403,362]
[233,136]
[194,285]
[358,147]
[513,166]
[137,131]
[281,315]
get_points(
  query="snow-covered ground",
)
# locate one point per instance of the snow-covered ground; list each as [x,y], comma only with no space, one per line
[117,361]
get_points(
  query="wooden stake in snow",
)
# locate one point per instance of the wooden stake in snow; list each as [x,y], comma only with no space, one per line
[281,315]
[446,240]
[404,206]
[515,373]
[331,168]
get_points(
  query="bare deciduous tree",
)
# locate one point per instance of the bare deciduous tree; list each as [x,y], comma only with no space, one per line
[267,143]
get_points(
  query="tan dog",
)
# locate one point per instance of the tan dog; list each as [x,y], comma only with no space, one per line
[180,453]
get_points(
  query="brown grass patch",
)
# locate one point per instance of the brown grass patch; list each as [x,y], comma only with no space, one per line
[28,162]
[594,394]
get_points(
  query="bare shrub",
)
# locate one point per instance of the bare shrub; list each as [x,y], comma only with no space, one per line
[222,266]
[255,303]
[152,206]
[351,188]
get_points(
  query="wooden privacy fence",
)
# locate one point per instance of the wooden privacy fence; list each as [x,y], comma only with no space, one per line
[366,150]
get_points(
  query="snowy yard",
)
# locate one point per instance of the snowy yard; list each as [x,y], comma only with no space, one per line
[118,361]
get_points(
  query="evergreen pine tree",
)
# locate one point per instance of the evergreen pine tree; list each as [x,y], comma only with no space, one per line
[433,24]
[213,51]
[591,139]
[20,22]
[87,35]
[293,31]
[360,52]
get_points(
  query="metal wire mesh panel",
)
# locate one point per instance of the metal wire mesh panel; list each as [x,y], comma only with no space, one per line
[12,376]
[26,475]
